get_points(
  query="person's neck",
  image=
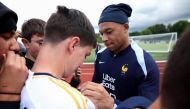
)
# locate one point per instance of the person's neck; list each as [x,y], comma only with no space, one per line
[49,61]
[29,56]
[122,47]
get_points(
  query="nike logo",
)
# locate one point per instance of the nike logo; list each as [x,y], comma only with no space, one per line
[101,62]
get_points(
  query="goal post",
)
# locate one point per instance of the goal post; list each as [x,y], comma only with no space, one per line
[158,45]
[156,42]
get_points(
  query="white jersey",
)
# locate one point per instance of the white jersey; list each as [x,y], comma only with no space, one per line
[43,91]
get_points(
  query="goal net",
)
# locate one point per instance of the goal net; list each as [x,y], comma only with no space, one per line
[158,45]
[156,42]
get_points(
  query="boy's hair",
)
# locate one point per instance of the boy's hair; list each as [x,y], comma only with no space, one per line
[31,27]
[175,91]
[67,23]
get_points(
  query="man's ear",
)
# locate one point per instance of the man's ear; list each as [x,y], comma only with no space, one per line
[25,42]
[126,27]
[74,42]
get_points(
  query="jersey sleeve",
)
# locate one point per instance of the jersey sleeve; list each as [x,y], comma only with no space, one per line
[149,87]
[96,75]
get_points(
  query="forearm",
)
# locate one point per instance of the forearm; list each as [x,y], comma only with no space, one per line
[8,92]
[9,101]
[9,97]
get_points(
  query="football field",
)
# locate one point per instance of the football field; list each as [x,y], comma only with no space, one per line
[159,51]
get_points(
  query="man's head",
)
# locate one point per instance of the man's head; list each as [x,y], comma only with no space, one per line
[8,21]
[72,28]
[33,36]
[113,26]
[175,91]
[69,23]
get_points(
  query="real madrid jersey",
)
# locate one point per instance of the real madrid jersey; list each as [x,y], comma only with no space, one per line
[43,91]
[131,72]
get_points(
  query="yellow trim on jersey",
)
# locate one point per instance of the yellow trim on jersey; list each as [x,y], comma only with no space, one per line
[83,101]
[40,76]
[69,92]
[57,82]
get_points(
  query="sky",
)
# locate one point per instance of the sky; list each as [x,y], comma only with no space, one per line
[145,12]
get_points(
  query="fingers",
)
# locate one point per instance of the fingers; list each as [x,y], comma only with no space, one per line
[13,67]
[10,58]
[78,71]
[88,86]
[93,89]
[14,64]
[20,61]
[23,62]
[89,83]
[15,61]
[91,93]
[98,95]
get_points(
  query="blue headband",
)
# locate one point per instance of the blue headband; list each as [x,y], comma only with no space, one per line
[118,13]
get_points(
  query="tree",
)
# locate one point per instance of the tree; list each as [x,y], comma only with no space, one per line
[179,27]
[98,38]
[169,28]
[136,33]
[146,32]
[158,28]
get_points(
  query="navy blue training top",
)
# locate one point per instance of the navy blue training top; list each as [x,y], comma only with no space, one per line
[132,72]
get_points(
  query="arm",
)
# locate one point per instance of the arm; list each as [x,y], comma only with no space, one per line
[98,95]
[149,87]
[13,66]
[95,77]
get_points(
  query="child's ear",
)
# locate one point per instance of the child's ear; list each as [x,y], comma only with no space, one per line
[74,42]
[25,42]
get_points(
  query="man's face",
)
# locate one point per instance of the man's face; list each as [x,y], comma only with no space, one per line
[8,43]
[34,45]
[114,35]
[77,58]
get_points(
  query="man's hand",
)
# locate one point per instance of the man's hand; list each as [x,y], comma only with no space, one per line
[13,73]
[98,95]
[75,81]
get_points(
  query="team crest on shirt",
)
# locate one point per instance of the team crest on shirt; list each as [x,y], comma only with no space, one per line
[124,69]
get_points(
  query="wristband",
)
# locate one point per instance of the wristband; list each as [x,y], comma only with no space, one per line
[9,93]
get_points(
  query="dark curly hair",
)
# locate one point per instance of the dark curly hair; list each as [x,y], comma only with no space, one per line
[175,93]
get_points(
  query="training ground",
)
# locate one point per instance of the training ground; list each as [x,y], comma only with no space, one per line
[87,71]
